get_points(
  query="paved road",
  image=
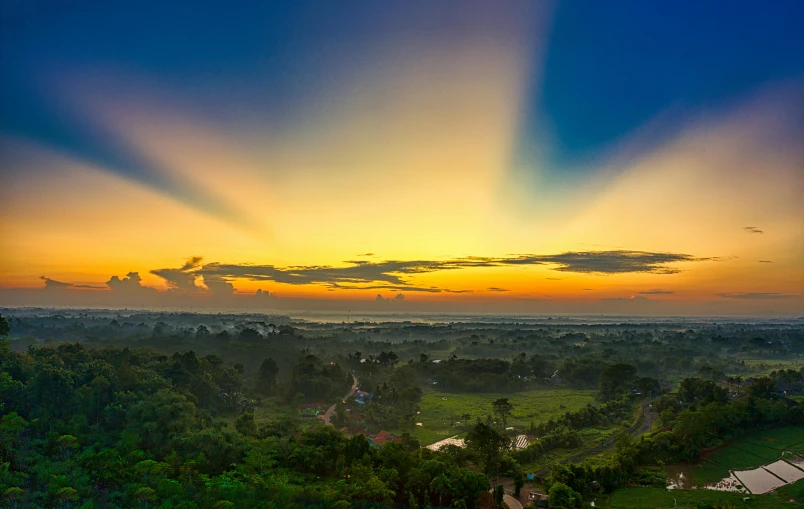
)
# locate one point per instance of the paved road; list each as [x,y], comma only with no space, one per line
[511,502]
[331,410]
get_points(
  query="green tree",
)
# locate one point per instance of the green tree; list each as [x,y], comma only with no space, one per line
[519,482]
[488,447]
[340,417]
[648,385]
[499,494]
[12,428]
[616,379]
[763,388]
[562,496]
[246,424]
[503,409]
[156,418]
[4,328]
[266,377]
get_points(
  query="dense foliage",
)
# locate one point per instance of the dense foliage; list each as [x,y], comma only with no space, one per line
[137,428]
[150,409]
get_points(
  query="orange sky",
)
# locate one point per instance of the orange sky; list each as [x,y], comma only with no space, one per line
[417,157]
[696,194]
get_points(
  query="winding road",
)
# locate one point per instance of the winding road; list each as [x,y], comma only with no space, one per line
[511,502]
[640,427]
[327,416]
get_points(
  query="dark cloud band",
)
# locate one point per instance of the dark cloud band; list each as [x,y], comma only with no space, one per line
[396,274]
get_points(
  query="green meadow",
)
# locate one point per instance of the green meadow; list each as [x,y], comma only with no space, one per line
[441,413]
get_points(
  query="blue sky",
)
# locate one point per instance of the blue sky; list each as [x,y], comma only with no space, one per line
[613,66]
[609,67]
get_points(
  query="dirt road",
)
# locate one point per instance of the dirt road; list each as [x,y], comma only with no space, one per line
[640,427]
[327,416]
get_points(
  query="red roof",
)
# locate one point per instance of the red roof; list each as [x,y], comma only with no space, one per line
[384,436]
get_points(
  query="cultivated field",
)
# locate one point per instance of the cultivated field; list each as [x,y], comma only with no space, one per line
[659,498]
[749,452]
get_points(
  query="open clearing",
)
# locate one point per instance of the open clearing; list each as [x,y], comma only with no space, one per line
[442,412]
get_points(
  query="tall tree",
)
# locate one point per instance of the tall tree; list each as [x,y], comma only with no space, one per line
[488,446]
[503,409]
[266,377]
[202,332]
[4,328]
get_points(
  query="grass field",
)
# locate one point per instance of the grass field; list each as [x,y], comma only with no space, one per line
[765,366]
[536,406]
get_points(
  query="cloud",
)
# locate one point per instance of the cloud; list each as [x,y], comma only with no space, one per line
[386,275]
[366,254]
[399,297]
[183,278]
[554,278]
[52,284]
[765,261]
[756,295]
[219,286]
[752,229]
[132,283]
[612,262]
[624,299]
[394,274]
[657,292]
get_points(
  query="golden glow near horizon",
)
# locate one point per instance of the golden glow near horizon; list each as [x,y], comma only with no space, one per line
[412,161]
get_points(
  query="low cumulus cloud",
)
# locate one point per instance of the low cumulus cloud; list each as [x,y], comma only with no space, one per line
[495,289]
[657,292]
[752,229]
[131,284]
[183,278]
[52,284]
[397,298]
[756,295]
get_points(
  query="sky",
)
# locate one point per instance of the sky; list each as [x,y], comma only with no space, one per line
[529,157]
